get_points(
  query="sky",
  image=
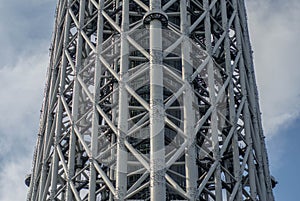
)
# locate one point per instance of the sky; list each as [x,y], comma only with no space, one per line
[25,36]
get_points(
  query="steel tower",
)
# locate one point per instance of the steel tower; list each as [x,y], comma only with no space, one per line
[150,100]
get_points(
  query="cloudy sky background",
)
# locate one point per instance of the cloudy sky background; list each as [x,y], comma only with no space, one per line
[25,35]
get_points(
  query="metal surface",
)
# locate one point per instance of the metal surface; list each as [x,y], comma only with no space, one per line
[150,100]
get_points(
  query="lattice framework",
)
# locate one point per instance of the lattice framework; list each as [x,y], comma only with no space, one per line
[100,133]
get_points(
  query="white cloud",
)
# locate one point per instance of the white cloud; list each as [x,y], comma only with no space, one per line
[12,177]
[21,95]
[24,37]
[21,91]
[24,25]
[274,28]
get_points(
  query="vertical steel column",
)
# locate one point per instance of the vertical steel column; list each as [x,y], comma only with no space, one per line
[251,167]
[43,156]
[75,103]
[114,111]
[32,193]
[214,132]
[50,94]
[263,166]
[95,119]
[237,171]
[60,107]
[232,111]
[121,168]
[191,168]
[212,96]
[47,138]
[157,146]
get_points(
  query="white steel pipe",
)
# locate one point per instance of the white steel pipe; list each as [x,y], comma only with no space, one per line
[157,147]
[121,166]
